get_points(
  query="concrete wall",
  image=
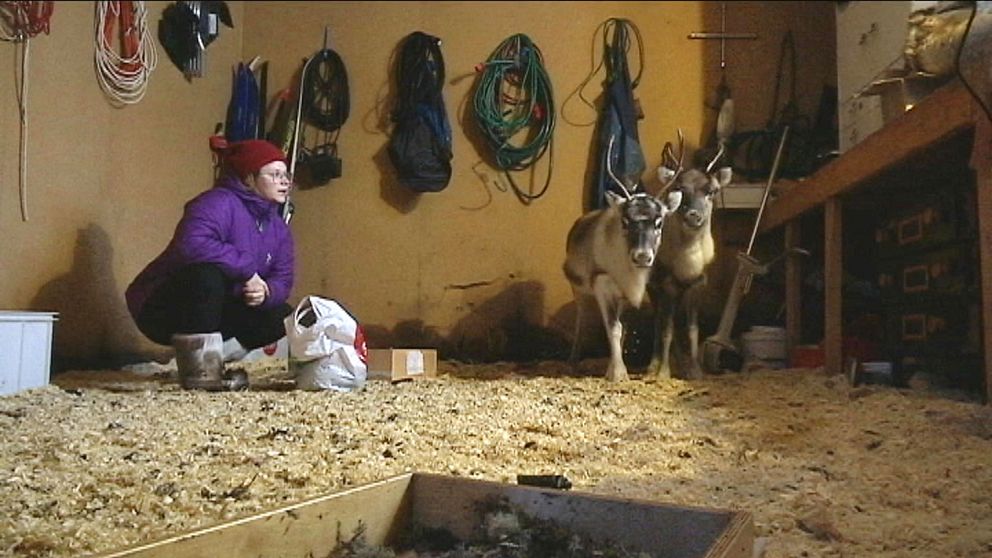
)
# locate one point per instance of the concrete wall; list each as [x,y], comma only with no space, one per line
[469,269]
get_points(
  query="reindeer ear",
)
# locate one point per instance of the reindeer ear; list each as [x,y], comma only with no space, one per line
[724,176]
[613,199]
[665,174]
[673,200]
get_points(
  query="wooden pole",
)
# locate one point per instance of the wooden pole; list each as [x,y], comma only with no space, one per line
[833,279]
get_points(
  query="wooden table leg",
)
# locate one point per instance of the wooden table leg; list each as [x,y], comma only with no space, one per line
[793,289]
[981,162]
[833,277]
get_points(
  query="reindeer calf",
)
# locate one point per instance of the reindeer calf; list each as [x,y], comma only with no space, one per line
[680,269]
[609,254]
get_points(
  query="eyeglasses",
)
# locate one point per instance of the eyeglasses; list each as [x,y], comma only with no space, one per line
[277,176]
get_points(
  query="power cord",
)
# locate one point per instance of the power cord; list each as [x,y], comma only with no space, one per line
[957,63]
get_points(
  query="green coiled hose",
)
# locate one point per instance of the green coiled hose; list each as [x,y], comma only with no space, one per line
[514,108]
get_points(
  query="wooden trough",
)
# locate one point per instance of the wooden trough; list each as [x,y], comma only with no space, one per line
[313,528]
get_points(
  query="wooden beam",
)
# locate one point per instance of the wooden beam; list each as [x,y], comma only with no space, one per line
[981,162]
[938,116]
[833,279]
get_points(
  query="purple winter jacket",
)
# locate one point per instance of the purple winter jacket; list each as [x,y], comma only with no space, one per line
[232,226]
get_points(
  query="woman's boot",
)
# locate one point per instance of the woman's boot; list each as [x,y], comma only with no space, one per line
[200,362]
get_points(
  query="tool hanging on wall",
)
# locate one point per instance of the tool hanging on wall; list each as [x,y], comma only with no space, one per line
[324,104]
[725,120]
[187,29]
[513,100]
[322,99]
[291,136]
[123,76]
[19,23]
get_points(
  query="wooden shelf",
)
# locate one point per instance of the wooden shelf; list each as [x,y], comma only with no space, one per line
[939,116]
[924,130]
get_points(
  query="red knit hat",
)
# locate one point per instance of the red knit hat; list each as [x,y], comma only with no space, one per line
[248,156]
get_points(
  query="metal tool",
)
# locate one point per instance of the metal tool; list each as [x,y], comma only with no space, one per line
[719,352]
[287,208]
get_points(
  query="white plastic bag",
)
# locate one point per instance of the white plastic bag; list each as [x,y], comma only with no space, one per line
[326,346]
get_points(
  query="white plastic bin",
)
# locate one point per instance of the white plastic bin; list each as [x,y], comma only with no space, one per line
[765,344]
[25,349]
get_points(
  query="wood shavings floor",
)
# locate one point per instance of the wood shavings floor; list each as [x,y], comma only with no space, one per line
[106,459]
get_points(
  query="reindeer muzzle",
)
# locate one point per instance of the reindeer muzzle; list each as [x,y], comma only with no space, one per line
[642,258]
[693,218]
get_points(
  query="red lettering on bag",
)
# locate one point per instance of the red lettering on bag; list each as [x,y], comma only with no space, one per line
[360,348]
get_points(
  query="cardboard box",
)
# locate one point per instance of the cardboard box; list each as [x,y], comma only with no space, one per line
[397,365]
[25,349]
[390,507]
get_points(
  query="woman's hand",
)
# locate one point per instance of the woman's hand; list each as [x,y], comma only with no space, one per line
[255,291]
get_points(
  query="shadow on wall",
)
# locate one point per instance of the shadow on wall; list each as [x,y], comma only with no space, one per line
[93,322]
[505,327]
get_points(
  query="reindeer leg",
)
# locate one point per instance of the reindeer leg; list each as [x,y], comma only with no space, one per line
[660,366]
[611,305]
[692,369]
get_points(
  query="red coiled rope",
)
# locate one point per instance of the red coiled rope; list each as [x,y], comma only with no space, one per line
[24,20]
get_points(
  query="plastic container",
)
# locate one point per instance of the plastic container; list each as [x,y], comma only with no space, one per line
[879,372]
[25,349]
[765,344]
[807,356]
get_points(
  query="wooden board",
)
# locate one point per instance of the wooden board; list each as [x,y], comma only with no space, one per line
[386,507]
[939,116]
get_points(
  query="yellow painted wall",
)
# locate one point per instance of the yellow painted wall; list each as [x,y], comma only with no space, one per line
[106,186]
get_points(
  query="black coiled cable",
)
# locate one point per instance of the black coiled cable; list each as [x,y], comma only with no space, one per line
[326,101]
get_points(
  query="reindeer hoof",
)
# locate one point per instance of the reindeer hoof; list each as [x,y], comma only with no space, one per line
[617,374]
[692,373]
[656,371]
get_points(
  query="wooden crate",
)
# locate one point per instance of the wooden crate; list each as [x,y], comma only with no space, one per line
[928,223]
[938,328]
[386,508]
[935,274]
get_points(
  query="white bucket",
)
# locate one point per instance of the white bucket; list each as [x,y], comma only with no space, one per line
[765,343]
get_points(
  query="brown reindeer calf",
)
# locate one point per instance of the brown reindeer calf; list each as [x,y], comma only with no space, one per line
[680,269]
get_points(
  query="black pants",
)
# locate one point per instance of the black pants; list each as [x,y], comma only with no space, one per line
[198,299]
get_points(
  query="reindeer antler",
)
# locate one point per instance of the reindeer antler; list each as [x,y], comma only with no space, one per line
[716,158]
[667,155]
[609,169]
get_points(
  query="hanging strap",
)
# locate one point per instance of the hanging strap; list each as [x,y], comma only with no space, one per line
[617,49]
[790,109]
[621,29]
[19,22]
[420,73]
